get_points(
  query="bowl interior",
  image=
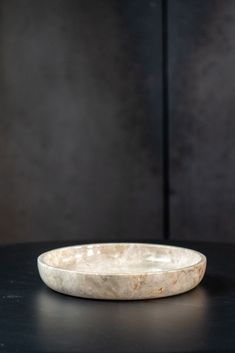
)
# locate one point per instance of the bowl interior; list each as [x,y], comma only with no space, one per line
[121,258]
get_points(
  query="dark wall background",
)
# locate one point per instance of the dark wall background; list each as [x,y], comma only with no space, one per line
[93,96]
[81,120]
[202,124]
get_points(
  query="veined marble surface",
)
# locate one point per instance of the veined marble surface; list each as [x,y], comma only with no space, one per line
[122,270]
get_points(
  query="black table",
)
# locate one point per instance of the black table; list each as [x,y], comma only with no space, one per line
[35,319]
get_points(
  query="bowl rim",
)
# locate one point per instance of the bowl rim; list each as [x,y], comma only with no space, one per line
[202,260]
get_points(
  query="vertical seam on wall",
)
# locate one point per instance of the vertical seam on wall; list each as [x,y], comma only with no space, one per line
[165,117]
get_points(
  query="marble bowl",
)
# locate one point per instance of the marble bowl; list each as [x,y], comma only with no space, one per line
[122,271]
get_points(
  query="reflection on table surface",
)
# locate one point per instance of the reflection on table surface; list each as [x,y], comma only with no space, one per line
[64,322]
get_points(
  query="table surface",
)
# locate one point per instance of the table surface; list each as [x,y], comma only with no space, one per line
[33,318]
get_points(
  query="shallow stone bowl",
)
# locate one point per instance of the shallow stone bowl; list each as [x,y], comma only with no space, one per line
[122,271]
